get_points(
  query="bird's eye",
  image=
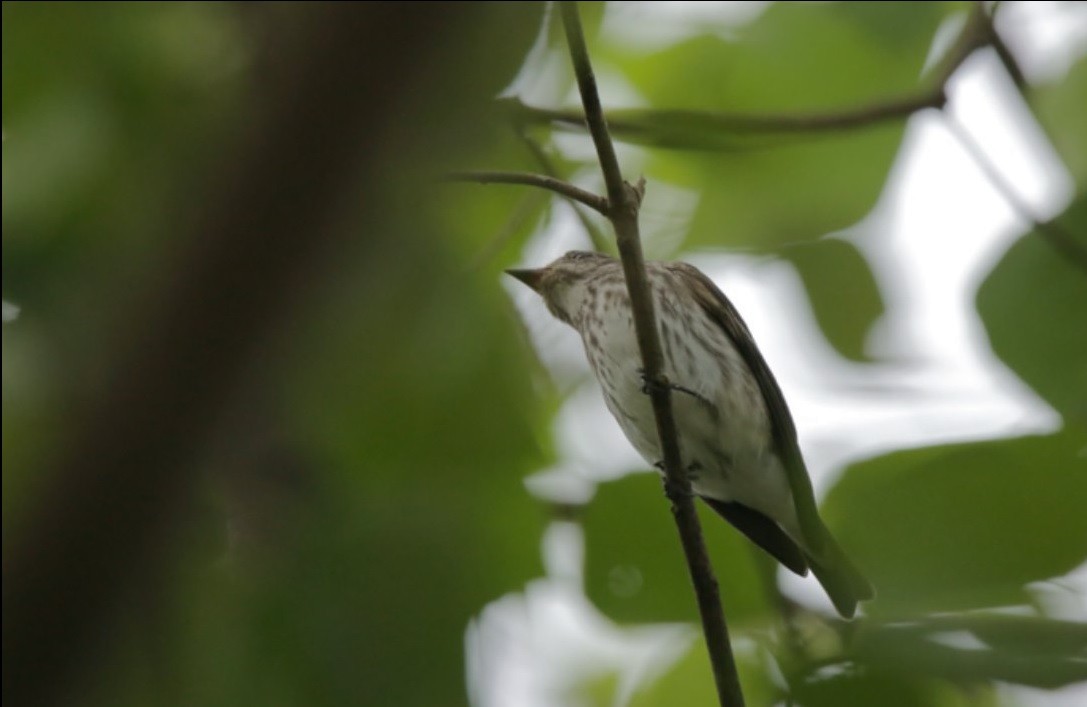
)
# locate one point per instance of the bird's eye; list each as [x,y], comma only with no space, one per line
[579,255]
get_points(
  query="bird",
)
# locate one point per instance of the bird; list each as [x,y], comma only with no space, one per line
[736,434]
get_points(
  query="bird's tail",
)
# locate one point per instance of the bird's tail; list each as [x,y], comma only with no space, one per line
[843,582]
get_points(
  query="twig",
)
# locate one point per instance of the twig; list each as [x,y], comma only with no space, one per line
[1011,64]
[1053,233]
[593,201]
[661,124]
[1056,236]
[634,121]
[596,236]
[624,201]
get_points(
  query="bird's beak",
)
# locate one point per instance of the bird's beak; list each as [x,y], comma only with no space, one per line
[529,277]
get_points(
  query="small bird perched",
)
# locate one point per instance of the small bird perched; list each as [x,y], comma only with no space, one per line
[735,431]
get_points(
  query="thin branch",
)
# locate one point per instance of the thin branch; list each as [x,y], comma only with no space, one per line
[596,236]
[1053,233]
[624,201]
[1011,64]
[975,34]
[593,201]
[618,195]
[674,127]
[635,121]
[1007,58]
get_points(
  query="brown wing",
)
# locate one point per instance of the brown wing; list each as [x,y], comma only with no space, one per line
[720,310]
[762,531]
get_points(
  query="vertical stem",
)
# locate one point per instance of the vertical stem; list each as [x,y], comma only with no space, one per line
[590,99]
[624,201]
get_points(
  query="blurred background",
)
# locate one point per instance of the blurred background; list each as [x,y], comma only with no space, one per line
[277,431]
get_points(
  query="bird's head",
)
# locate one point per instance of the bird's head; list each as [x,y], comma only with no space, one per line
[563,284]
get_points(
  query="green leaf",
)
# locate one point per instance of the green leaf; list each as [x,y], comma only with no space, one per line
[909,651]
[1059,108]
[792,57]
[964,526]
[1025,634]
[635,568]
[1033,306]
[690,680]
[842,290]
[828,183]
[795,58]
[884,688]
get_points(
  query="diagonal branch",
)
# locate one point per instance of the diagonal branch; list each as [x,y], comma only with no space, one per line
[1050,231]
[674,127]
[624,201]
[596,236]
[593,201]
[1003,52]
[690,128]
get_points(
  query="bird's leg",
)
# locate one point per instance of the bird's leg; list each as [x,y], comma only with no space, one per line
[693,394]
[669,489]
[648,386]
[664,384]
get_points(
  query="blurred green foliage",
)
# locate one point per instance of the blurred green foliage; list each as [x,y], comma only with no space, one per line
[795,57]
[843,291]
[963,526]
[361,496]
[1032,287]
